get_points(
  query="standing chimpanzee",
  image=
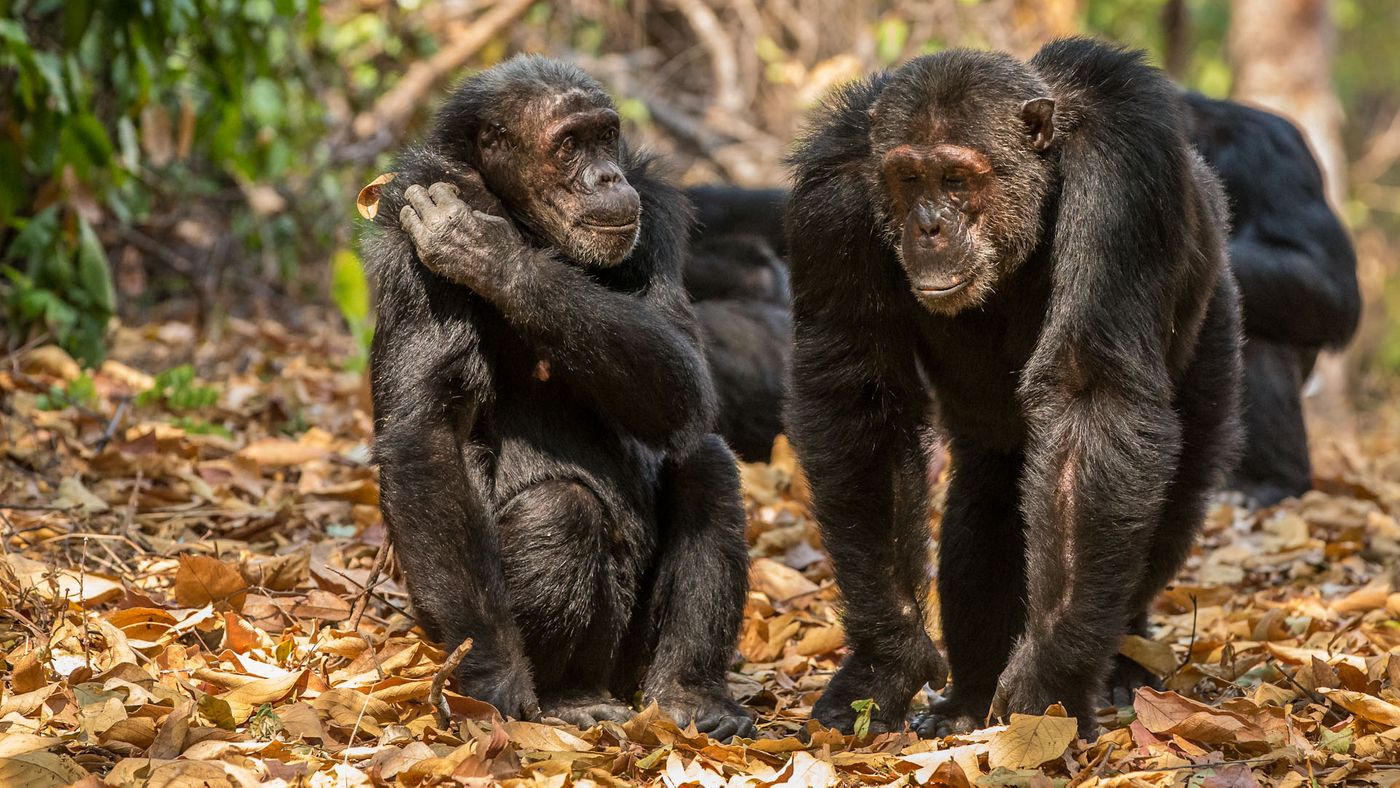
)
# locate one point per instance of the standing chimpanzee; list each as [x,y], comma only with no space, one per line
[1038,244]
[543,411]
[1297,275]
[739,289]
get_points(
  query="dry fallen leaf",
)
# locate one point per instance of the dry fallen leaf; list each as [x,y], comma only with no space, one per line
[367,202]
[1031,740]
[202,580]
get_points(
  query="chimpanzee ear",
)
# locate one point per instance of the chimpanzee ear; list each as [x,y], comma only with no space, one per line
[489,136]
[1039,117]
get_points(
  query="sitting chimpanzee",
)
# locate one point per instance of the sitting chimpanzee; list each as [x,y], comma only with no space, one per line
[739,290]
[1036,245]
[543,411]
[1297,276]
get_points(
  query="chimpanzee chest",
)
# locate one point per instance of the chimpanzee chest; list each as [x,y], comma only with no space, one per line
[543,428]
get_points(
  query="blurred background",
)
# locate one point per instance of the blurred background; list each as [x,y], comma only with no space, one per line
[197,159]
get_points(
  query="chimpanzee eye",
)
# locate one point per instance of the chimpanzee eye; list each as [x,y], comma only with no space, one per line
[567,146]
[610,135]
[954,182]
[909,177]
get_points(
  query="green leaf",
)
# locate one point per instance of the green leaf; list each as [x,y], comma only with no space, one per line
[863,709]
[94,275]
[349,288]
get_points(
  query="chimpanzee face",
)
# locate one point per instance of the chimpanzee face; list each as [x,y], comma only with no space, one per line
[963,183]
[557,167]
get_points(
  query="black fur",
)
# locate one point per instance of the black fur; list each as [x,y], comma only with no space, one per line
[1297,274]
[1090,401]
[739,289]
[575,517]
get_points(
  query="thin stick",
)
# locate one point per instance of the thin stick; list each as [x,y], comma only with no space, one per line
[112,425]
[362,601]
[1190,646]
[444,715]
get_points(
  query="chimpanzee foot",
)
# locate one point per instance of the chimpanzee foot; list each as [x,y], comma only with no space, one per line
[889,685]
[1125,679]
[714,713]
[585,712]
[947,716]
[510,689]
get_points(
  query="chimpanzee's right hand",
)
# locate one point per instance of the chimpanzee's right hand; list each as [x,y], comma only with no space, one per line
[507,687]
[457,240]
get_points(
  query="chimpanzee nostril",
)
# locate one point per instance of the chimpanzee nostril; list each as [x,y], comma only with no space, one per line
[928,221]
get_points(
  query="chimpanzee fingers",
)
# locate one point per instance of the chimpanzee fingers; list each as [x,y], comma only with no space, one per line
[478,197]
[419,198]
[445,196]
[410,221]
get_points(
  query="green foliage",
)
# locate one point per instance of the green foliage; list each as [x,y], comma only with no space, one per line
[106,106]
[863,709]
[350,291]
[80,392]
[176,389]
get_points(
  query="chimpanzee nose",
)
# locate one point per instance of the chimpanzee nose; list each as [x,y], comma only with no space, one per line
[609,177]
[928,220]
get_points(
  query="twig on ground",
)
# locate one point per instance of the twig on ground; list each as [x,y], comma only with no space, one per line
[444,715]
[112,425]
[362,600]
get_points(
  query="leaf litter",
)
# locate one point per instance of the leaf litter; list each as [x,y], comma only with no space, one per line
[183,602]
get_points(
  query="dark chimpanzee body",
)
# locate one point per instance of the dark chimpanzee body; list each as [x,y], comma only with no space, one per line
[739,289]
[1297,275]
[543,411]
[1036,246]
[734,210]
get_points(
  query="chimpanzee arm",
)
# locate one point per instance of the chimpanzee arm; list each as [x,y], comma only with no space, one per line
[637,355]
[1293,258]
[855,415]
[429,385]
[1137,250]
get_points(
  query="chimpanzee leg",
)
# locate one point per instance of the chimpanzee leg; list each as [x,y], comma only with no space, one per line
[572,590]
[1275,464]
[981,584]
[697,596]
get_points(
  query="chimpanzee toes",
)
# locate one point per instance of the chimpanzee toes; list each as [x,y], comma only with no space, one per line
[718,716]
[585,713]
[1126,678]
[944,717]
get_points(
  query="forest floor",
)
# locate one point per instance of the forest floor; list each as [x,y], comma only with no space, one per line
[183,559]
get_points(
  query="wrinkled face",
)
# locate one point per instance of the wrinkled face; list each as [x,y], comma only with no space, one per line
[557,168]
[961,215]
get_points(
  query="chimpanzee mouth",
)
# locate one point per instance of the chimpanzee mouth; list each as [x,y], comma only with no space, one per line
[617,229]
[927,291]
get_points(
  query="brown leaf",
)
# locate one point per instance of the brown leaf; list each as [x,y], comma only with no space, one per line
[1366,706]
[778,581]
[39,770]
[202,580]
[322,605]
[1031,740]
[1170,713]
[367,203]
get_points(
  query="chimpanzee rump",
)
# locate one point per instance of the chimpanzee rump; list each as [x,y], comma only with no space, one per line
[1297,274]
[1037,246]
[543,411]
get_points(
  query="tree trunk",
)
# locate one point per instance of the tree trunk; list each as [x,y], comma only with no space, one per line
[1282,53]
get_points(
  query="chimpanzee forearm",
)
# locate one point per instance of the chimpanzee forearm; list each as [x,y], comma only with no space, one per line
[1098,468]
[637,356]
[865,464]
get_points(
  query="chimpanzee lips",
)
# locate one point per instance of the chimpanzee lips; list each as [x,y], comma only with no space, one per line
[612,227]
[944,288]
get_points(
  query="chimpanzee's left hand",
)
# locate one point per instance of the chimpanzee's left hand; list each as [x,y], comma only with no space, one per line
[457,241]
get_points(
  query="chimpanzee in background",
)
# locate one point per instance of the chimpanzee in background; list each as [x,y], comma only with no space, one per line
[739,289]
[543,411]
[1297,275]
[1036,245]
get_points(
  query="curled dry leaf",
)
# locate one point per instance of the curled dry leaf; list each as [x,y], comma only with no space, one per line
[367,202]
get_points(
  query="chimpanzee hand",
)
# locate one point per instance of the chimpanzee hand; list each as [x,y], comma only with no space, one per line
[1022,689]
[508,687]
[457,240]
